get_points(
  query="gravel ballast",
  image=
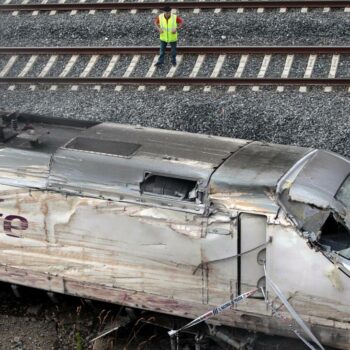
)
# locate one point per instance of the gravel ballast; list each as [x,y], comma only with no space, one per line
[313,119]
[205,28]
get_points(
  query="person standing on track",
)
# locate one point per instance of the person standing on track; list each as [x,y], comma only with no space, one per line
[168,25]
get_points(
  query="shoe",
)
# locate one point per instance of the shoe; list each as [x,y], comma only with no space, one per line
[174,64]
[158,64]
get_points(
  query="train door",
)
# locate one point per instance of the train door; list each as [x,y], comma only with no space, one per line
[232,265]
[250,263]
[219,253]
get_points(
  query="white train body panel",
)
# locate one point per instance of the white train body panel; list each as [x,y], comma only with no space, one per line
[177,232]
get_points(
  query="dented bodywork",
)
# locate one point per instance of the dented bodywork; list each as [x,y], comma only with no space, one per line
[315,195]
[175,222]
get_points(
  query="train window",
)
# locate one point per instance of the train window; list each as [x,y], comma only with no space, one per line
[182,189]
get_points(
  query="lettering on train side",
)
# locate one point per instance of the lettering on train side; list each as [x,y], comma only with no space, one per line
[14,222]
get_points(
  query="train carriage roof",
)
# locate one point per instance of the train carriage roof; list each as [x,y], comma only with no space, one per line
[255,166]
[115,159]
[107,159]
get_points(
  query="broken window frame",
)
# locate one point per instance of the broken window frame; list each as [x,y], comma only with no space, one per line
[199,199]
[335,207]
[333,219]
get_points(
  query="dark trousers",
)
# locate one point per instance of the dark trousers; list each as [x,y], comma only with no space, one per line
[163,45]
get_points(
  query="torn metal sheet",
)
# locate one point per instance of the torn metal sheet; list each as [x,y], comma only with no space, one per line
[317,183]
[315,197]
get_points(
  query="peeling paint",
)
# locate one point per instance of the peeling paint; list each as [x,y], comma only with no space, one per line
[244,201]
[333,274]
[92,232]
[189,162]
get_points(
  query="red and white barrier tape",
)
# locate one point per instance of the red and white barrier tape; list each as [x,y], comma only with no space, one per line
[220,308]
[214,312]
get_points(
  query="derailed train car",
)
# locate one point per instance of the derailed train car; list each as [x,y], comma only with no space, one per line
[176,222]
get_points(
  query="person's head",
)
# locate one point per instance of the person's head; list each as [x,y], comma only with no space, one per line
[167,11]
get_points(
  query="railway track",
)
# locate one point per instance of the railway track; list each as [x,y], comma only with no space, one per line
[217,6]
[197,66]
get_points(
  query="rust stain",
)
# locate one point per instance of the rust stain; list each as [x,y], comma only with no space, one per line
[45,209]
[44,206]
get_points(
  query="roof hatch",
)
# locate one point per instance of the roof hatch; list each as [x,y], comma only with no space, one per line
[118,148]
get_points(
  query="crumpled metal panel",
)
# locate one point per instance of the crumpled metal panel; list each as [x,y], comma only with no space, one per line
[87,169]
[160,152]
[320,178]
[307,194]
[343,194]
[250,175]
[347,217]
[118,178]
[247,200]
[257,165]
[24,168]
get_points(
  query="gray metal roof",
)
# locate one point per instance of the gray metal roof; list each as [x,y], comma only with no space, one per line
[111,160]
[320,178]
[24,168]
[81,166]
[257,166]
[177,145]
[247,180]
[21,164]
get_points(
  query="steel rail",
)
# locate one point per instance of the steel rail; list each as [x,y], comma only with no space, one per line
[177,5]
[181,50]
[181,81]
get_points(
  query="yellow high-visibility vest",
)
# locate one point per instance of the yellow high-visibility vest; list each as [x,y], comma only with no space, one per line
[168,26]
